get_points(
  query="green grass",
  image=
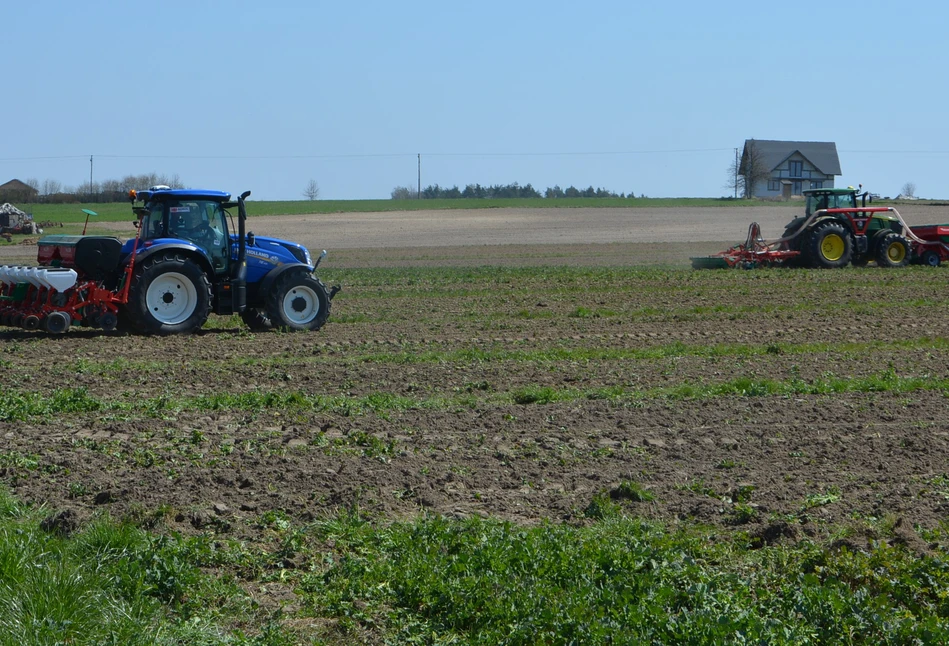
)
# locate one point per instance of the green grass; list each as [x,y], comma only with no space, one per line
[118,211]
[111,583]
[20,406]
[615,579]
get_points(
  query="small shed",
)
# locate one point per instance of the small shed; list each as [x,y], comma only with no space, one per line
[12,217]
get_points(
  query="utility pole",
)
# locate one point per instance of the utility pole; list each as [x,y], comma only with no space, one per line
[419,194]
[90,178]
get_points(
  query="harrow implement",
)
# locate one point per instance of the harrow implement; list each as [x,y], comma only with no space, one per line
[754,252]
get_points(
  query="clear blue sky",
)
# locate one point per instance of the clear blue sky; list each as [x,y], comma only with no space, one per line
[628,96]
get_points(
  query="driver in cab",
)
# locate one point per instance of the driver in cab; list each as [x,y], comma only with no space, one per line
[188,221]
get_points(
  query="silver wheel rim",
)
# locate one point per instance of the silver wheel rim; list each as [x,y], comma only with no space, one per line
[171,298]
[301,305]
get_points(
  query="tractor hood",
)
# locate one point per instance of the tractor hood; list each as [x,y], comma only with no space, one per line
[275,251]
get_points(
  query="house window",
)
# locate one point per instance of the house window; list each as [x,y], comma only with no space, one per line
[796,168]
[817,184]
[795,188]
[774,185]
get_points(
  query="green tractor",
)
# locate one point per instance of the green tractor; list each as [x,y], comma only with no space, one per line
[836,230]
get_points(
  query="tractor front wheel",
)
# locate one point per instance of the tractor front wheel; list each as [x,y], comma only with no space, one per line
[168,295]
[298,302]
[829,245]
[892,250]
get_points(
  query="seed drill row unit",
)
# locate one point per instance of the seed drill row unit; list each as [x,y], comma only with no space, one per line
[185,261]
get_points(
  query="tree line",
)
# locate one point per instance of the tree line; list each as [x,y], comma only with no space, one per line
[515,190]
[51,191]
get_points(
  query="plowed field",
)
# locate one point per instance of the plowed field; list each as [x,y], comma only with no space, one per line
[513,381]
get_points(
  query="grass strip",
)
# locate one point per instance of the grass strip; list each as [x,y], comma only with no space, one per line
[492,352]
[17,406]
[118,211]
[618,579]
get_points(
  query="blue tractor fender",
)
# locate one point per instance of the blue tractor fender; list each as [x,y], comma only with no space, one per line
[185,249]
[271,276]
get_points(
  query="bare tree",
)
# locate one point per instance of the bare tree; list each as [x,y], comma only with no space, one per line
[908,190]
[735,183]
[752,169]
[404,193]
[51,186]
[312,190]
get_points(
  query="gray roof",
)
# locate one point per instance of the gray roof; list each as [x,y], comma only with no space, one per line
[821,154]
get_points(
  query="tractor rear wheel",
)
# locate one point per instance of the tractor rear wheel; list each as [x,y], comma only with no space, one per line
[168,295]
[256,319]
[892,250]
[298,302]
[829,245]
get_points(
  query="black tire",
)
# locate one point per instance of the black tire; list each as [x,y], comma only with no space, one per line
[930,258]
[892,250]
[256,319]
[298,302]
[794,244]
[168,295]
[829,245]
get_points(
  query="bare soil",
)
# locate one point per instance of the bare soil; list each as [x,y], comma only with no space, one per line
[782,468]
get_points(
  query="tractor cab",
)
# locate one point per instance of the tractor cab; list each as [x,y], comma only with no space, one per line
[196,217]
[832,198]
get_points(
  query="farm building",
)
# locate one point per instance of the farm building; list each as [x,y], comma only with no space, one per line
[786,168]
[17,191]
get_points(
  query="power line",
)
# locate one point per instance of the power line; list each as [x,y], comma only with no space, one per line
[602,153]
[43,158]
[378,155]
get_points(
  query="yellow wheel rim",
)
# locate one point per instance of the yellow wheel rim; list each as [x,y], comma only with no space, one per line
[832,247]
[896,252]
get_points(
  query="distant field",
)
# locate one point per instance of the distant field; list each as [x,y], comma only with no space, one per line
[119,211]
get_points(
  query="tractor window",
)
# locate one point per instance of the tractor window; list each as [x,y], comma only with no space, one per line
[846,201]
[152,222]
[218,248]
[816,203]
[201,222]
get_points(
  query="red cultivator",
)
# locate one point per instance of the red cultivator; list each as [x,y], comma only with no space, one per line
[755,252]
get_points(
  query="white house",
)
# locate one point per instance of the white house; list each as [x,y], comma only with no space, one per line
[793,165]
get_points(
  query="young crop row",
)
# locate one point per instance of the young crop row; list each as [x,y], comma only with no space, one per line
[434,580]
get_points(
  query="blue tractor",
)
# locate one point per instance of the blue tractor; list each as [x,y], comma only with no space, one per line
[190,262]
[186,261]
